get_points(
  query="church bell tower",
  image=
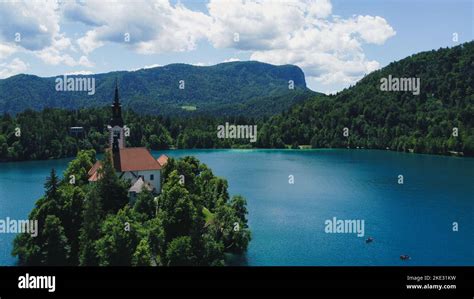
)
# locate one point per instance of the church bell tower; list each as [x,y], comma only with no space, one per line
[116,127]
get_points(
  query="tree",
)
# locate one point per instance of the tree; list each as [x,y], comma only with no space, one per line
[3,147]
[142,255]
[51,185]
[172,230]
[156,239]
[71,217]
[469,146]
[55,249]
[145,204]
[89,232]
[119,237]
[27,250]
[180,252]
[79,167]
[213,251]
[231,230]
[227,230]
[112,191]
[176,208]
[239,205]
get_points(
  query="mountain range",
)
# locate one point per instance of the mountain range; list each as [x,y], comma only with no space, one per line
[235,88]
[437,118]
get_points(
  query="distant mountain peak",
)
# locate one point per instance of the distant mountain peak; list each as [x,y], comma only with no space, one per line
[230,88]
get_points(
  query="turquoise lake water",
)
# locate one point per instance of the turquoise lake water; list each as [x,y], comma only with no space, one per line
[288,220]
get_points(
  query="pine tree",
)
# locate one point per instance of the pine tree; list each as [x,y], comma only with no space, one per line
[112,191]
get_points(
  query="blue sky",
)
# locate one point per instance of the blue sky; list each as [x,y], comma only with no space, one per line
[334,42]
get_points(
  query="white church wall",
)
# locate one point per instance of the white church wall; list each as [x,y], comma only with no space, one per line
[146,174]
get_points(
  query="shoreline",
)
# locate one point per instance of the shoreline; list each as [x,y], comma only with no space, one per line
[451,155]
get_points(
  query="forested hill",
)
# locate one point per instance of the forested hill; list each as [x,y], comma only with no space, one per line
[235,88]
[377,119]
[398,120]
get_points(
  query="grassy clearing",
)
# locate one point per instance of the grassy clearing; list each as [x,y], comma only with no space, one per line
[189,108]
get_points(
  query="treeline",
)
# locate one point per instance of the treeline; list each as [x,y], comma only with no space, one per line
[319,123]
[46,134]
[439,120]
[191,223]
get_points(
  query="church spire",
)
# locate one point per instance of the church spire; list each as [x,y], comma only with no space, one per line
[116,109]
[116,97]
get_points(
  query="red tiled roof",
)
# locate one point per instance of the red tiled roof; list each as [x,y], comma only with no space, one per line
[137,158]
[162,160]
[132,159]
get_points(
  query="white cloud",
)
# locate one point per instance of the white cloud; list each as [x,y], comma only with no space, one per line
[36,22]
[201,63]
[89,42]
[152,66]
[147,27]
[6,50]
[257,25]
[319,8]
[232,59]
[16,66]
[33,27]
[374,30]
[54,56]
[329,48]
[82,72]
[147,67]
[300,32]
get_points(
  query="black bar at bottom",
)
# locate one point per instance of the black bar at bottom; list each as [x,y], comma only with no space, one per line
[291,282]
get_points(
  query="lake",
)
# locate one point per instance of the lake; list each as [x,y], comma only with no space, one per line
[288,220]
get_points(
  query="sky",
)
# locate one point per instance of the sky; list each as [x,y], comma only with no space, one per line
[335,42]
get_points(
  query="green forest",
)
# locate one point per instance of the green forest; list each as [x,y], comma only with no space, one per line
[191,223]
[236,88]
[401,121]
[43,135]
[440,120]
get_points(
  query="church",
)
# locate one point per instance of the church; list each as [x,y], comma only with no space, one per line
[135,164]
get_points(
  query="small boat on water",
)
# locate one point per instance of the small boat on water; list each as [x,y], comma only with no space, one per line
[369,240]
[405,257]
